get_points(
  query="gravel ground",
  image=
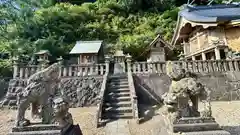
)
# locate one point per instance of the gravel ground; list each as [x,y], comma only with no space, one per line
[227,114]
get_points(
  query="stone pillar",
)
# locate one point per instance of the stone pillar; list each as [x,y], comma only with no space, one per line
[60,62]
[217,53]
[80,59]
[204,56]
[129,68]
[107,61]
[193,58]
[119,65]
[15,67]
[226,53]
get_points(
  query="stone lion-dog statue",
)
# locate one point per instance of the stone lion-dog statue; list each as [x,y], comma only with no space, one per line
[38,93]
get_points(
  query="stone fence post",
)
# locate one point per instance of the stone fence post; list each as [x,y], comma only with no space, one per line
[129,67]
[15,67]
[60,62]
[107,61]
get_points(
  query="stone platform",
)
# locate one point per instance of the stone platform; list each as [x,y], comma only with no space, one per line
[198,126]
[216,132]
[37,129]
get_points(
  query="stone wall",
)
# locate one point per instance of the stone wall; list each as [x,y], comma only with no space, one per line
[3,86]
[223,85]
[15,86]
[150,87]
[88,89]
[81,91]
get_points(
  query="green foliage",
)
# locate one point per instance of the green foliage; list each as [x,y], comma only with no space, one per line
[130,25]
[5,68]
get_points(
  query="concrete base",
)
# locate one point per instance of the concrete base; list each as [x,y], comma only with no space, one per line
[37,129]
[46,129]
[216,132]
[46,132]
[198,126]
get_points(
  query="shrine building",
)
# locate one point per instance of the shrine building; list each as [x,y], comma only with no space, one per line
[208,32]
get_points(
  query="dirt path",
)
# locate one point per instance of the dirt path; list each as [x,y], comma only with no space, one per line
[227,114]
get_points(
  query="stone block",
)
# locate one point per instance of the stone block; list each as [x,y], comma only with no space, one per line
[195,127]
[12,103]
[37,127]
[192,120]
[46,132]
[216,132]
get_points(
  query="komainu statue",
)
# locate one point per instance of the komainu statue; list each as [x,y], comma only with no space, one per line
[63,118]
[184,93]
[61,115]
[38,93]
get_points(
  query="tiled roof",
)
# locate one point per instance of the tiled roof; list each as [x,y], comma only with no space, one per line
[211,13]
[86,47]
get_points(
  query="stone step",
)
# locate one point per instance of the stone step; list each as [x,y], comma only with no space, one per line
[121,94]
[46,132]
[118,90]
[117,99]
[118,83]
[115,80]
[12,102]
[118,104]
[118,77]
[36,127]
[195,127]
[118,86]
[215,132]
[117,116]
[118,109]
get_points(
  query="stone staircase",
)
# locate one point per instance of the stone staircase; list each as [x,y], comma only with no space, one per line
[117,102]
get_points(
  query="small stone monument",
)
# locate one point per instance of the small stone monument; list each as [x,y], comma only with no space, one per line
[119,65]
[181,104]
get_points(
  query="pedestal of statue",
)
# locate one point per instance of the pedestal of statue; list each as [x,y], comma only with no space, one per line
[45,129]
[198,126]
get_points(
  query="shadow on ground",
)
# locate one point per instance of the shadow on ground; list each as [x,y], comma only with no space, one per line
[105,122]
[147,112]
[234,130]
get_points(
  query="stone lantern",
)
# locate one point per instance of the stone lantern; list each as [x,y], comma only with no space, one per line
[43,57]
[119,65]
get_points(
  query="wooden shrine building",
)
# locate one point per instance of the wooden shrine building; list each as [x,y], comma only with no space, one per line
[158,50]
[88,52]
[208,32]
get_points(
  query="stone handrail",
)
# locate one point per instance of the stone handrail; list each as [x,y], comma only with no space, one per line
[208,66]
[100,99]
[197,66]
[132,90]
[148,67]
[102,92]
[82,70]
[133,97]
[24,72]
